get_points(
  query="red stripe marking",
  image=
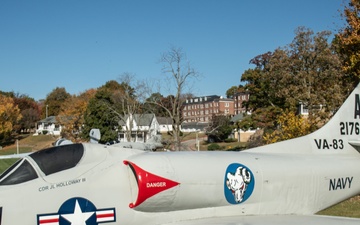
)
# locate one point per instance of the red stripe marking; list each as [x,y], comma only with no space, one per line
[49,221]
[105,215]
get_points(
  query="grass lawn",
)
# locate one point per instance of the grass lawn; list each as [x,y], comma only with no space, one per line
[6,163]
[29,143]
[26,144]
[185,137]
[231,146]
[348,208]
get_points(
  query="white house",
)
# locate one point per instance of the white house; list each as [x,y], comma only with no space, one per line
[143,128]
[188,127]
[165,124]
[49,125]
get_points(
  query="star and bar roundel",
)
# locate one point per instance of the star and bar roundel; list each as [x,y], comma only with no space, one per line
[78,211]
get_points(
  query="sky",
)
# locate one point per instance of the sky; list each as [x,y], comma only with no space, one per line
[82,44]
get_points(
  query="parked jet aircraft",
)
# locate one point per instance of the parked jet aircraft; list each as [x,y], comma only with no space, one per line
[282,183]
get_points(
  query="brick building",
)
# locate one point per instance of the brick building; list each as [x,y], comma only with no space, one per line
[201,109]
[239,98]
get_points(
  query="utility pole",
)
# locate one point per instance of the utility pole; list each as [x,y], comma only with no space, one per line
[197,141]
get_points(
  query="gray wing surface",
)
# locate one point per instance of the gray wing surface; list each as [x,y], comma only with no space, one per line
[22,155]
[272,220]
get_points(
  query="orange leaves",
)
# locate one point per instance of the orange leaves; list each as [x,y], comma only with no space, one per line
[72,113]
[289,126]
[349,39]
[9,114]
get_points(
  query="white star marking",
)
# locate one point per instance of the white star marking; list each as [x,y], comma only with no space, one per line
[78,217]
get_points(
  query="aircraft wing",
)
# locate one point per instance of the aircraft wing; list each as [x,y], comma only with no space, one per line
[272,220]
[22,155]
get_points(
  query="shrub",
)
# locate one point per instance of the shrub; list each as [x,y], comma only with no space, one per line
[213,146]
[229,140]
[236,148]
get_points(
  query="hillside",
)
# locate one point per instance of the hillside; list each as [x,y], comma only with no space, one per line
[29,143]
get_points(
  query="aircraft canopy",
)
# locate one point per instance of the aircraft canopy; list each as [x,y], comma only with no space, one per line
[49,161]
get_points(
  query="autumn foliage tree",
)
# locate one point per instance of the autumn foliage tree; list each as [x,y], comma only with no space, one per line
[348,42]
[71,116]
[307,72]
[54,101]
[9,115]
[30,113]
[289,125]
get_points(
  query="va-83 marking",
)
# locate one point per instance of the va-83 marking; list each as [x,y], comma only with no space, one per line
[329,144]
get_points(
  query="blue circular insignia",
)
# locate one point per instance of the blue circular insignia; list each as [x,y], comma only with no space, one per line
[239,183]
[77,207]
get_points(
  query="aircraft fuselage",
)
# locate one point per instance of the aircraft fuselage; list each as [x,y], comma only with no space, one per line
[131,187]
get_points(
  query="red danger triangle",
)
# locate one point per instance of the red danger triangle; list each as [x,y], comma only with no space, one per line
[149,184]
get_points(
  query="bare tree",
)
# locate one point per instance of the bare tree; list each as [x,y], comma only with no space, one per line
[178,72]
[127,101]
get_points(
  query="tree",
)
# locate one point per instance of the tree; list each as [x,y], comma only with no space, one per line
[314,75]
[262,101]
[179,73]
[290,126]
[348,43]
[99,116]
[30,112]
[257,83]
[233,90]
[127,101]
[72,113]
[245,124]
[220,128]
[307,71]
[54,101]
[149,105]
[9,115]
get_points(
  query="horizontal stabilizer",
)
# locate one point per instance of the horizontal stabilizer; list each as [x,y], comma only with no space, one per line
[355,144]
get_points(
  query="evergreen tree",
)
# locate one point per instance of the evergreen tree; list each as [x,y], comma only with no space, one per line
[98,114]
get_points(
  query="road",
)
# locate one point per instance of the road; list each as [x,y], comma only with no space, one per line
[190,145]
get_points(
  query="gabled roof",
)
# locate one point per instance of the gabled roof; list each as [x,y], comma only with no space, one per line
[195,125]
[164,120]
[52,119]
[49,119]
[143,119]
[140,119]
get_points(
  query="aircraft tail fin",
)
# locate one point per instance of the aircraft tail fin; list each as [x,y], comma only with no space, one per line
[340,135]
